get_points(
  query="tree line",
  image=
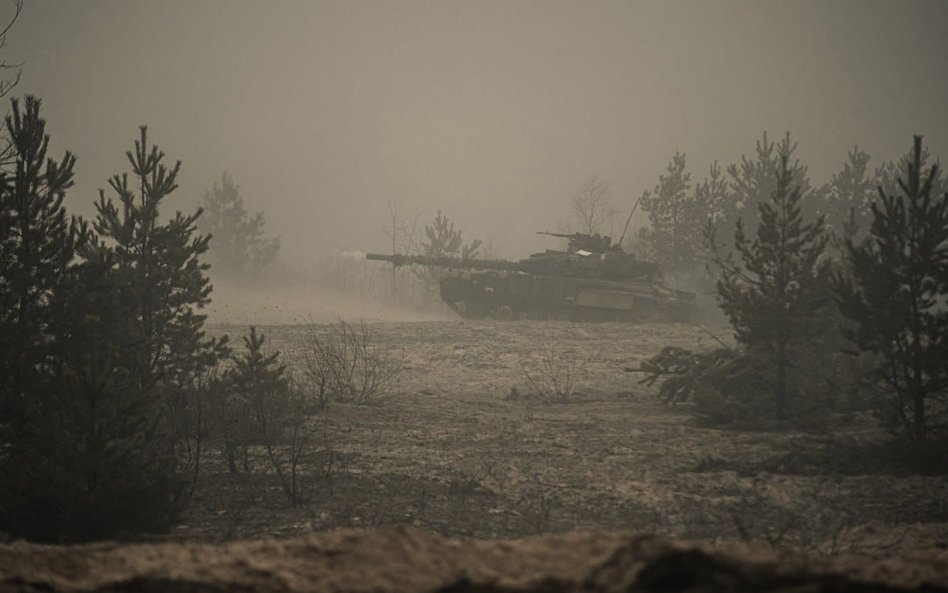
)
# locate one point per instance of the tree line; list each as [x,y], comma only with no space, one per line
[688,220]
[837,295]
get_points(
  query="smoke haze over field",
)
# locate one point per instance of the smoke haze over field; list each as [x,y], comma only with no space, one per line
[494,112]
[351,321]
[253,305]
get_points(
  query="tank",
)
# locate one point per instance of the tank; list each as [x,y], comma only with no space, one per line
[592,280]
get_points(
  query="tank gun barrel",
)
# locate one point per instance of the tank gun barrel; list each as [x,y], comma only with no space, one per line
[444,262]
[395,259]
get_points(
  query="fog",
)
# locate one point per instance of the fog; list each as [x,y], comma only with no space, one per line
[786,388]
[325,113]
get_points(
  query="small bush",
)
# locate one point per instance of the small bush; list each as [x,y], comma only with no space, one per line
[342,362]
[552,377]
[810,521]
[261,406]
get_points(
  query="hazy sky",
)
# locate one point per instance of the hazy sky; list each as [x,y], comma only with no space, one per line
[494,112]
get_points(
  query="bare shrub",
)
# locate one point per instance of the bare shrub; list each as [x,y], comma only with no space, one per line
[810,521]
[230,426]
[294,449]
[346,362]
[537,503]
[552,377]
[285,438]
[190,412]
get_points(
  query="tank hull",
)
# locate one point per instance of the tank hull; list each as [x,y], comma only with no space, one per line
[508,296]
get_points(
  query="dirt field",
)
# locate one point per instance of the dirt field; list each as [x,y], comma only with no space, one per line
[461,449]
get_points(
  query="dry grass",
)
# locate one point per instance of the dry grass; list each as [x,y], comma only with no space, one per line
[453,453]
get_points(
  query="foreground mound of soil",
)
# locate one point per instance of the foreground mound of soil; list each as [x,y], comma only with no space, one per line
[409,560]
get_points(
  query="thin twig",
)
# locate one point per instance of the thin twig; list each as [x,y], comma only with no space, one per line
[707,331]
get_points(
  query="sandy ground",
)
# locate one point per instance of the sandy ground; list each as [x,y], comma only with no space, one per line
[408,560]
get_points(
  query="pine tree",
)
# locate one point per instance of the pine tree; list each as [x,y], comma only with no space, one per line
[119,343]
[675,218]
[754,181]
[849,197]
[443,240]
[446,241]
[238,242]
[99,460]
[163,280]
[259,385]
[256,382]
[260,378]
[713,197]
[134,353]
[713,194]
[888,174]
[896,290]
[38,241]
[773,299]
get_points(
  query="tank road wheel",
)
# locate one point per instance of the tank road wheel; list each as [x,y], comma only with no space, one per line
[504,312]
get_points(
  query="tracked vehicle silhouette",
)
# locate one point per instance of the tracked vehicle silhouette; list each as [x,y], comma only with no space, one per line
[592,280]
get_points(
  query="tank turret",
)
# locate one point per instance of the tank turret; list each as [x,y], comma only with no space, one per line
[591,280]
[594,243]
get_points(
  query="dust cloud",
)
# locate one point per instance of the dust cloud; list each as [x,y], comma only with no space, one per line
[347,127]
[495,113]
[245,306]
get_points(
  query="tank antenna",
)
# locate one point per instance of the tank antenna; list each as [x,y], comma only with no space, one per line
[629,219]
